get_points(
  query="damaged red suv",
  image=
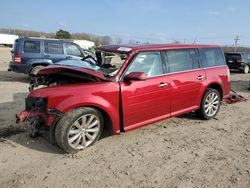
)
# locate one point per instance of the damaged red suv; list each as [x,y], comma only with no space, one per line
[127,88]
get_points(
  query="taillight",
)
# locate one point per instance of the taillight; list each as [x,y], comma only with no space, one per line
[18,59]
[240,60]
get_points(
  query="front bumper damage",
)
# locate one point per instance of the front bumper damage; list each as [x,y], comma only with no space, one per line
[28,115]
[38,115]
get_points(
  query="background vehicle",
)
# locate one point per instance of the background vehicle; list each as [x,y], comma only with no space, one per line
[238,61]
[32,54]
[152,84]
[7,39]
[85,44]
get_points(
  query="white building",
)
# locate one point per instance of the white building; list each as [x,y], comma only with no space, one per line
[7,39]
[84,43]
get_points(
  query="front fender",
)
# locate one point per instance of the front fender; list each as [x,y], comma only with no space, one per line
[97,102]
[34,62]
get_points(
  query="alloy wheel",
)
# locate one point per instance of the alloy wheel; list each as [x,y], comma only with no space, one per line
[211,104]
[246,69]
[84,131]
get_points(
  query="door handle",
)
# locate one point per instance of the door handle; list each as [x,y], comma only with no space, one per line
[200,77]
[46,56]
[163,84]
[68,57]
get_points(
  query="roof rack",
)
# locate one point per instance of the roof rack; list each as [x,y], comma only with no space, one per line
[42,38]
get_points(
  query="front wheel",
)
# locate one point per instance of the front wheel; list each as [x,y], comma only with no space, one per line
[78,129]
[210,104]
[35,70]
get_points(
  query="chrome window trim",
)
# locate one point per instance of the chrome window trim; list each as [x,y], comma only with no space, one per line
[166,74]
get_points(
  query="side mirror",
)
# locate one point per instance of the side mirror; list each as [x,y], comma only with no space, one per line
[135,76]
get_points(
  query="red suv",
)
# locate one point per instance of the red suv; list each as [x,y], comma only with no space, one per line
[130,87]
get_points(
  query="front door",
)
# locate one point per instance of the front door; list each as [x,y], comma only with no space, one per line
[147,101]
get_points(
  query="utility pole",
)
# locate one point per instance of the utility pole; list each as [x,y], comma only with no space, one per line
[236,43]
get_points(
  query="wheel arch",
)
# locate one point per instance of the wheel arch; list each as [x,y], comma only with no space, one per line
[217,87]
[108,125]
[37,62]
[107,118]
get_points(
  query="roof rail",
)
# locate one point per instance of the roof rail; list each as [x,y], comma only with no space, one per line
[42,38]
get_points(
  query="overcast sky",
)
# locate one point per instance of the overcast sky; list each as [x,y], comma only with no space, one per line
[157,21]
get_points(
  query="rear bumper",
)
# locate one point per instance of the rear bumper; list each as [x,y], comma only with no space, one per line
[236,66]
[19,68]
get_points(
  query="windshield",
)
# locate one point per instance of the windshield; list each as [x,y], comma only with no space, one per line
[112,62]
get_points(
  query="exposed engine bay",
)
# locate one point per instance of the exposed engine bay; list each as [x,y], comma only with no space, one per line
[78,71]
[56,79]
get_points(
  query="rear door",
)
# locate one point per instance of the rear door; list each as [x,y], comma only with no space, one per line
[187,78]
[53,50]
[144,102]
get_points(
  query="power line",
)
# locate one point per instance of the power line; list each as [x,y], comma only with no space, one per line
[236,43]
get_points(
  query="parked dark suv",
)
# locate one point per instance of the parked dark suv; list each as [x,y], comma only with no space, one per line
[32,54]
[238,61]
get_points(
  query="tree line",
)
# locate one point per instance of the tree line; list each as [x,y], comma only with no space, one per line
[61,34]
[98,40]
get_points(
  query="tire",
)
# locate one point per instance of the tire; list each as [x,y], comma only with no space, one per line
[204,112]
[246,69]
[73,135]
[35,69]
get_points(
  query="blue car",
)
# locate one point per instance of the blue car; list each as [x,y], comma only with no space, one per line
[32,54]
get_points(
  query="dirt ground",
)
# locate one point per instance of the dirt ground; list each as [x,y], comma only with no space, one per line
[178,152]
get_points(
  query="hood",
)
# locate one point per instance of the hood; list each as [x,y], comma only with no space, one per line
[57,75]
[74,72]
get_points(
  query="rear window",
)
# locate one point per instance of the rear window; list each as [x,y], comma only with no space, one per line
[232,57]
[181,60]
[31,46]
[212,57]
[53,48]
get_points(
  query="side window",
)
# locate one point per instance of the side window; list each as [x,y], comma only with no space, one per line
[31,46]
[148,62]
[181,60]
[53,48]
[212,57]
[72,50]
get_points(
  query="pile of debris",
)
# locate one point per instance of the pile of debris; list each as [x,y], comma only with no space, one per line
[235,97]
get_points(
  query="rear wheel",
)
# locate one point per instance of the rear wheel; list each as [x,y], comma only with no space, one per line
[246,69]
[210,104]
[78,129]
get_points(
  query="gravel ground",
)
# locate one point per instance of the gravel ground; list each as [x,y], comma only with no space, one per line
[178,152]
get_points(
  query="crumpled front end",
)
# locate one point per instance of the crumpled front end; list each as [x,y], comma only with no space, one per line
[37,114]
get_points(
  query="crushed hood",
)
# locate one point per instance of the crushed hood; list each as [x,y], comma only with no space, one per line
[74,72]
